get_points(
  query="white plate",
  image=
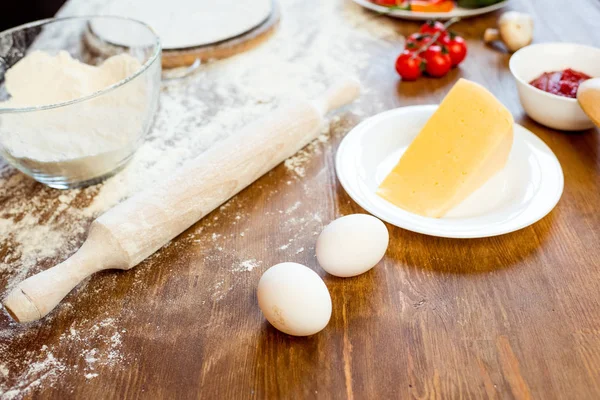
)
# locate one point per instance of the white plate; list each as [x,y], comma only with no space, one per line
[421,16]
[522,193]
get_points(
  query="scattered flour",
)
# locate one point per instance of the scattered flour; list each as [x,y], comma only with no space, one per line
[249,85]
[100,346]
[220,290]
[40,227]
[297,163]
[295,62]
[37,373]
[33,244]
[293,207]
[246,266]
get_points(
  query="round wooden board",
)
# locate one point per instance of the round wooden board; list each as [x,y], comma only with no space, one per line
[225,48]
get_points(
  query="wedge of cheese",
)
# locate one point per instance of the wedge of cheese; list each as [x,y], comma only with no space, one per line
[464,143]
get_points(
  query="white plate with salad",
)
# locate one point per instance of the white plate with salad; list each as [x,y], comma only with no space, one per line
[433,9]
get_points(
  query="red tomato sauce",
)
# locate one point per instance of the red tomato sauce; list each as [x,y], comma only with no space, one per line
[561,83]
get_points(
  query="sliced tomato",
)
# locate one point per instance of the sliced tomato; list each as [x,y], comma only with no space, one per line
[431,6]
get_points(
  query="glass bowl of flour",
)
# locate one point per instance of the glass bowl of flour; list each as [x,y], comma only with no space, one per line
[77,96]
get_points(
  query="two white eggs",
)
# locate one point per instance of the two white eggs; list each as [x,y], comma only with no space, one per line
[294,298]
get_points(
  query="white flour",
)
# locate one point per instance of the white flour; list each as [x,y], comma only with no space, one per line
[85,139]
[41,78]
[246,265]
[194,113]
[99,347]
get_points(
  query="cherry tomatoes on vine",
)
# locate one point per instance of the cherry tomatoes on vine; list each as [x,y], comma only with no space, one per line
[433,27]
[438,61]
[457,49]
[416,40]
[409,65]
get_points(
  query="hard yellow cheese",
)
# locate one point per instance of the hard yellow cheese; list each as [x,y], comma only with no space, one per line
[464,143]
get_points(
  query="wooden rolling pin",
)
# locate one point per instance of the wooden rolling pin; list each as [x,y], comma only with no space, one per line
[133,230]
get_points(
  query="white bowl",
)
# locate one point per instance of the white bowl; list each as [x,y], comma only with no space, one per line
[554,111]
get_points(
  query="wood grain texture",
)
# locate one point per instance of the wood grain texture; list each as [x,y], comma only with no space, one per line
[515,316]
[136,228]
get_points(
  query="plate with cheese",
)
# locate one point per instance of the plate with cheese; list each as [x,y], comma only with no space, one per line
[462,169]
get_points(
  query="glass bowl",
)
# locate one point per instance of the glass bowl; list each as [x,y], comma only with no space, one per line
[77,141]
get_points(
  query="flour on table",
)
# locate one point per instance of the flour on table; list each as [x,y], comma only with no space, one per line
[246,265]
[293,208]
[36,374]
[297,162]
[34,243]
[194,113]
[224,96]
[101,344]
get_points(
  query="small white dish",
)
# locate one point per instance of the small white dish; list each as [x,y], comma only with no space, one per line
[525,191]
[553,111]
[458,12]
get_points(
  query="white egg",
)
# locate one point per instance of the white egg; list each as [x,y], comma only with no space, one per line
[352,245]
[294,299]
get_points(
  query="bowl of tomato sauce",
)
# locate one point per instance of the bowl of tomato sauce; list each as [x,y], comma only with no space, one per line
[548,76]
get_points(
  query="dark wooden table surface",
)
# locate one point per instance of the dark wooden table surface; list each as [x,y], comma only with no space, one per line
[514,316]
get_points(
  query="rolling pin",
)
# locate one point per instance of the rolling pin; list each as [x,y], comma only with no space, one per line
[133,230]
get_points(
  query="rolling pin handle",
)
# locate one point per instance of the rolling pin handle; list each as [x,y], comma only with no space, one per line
[20,307]
[37,295]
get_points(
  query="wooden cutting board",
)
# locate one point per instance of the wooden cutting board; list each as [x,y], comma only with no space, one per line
[192,31]
[225,48]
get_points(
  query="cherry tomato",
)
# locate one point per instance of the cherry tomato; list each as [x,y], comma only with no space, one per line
[444,40]
[432,5]
[416,40]
[409,66]
[433,27]
[457,49]
[438,61]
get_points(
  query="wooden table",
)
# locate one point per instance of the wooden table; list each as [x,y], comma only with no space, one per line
[515,316]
